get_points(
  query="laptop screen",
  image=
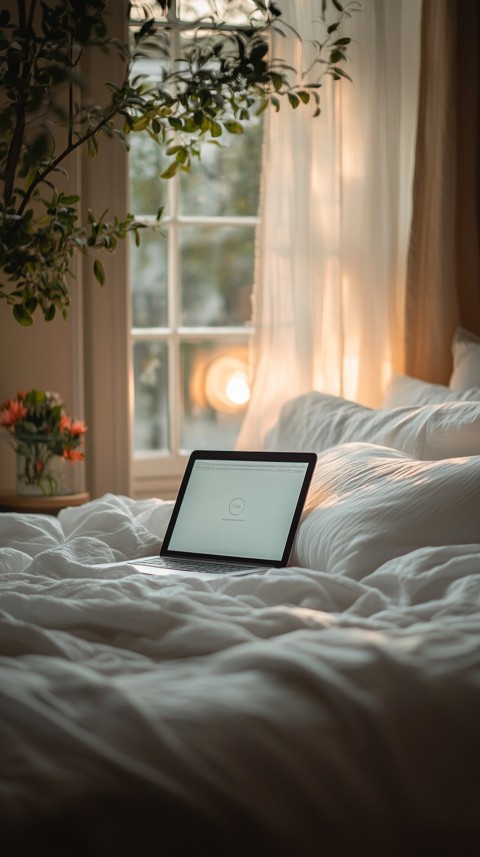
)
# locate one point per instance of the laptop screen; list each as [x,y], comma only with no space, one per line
[239,505]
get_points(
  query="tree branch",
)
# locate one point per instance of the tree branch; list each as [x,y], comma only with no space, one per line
[42,175]
[70,98]
[15,147]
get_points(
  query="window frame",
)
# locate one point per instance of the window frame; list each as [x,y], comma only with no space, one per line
[160,471]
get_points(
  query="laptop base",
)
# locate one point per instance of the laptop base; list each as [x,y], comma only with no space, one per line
[153,568]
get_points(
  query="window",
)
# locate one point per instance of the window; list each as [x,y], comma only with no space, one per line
[191,283]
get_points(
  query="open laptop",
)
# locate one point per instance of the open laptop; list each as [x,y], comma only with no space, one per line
[236,513]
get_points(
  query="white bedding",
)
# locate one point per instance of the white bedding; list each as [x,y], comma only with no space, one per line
[300,712]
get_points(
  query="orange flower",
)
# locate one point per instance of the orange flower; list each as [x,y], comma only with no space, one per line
[73,455]
[12,412]
[65,423]
[77,427]
[41,430]
[74,427]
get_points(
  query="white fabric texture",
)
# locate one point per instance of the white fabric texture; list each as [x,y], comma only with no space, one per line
[403,391]
[466,360]
[317,421]
[369,504]
[335,217]
[265,714]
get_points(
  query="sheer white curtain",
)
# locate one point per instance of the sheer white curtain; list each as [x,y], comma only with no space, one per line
[336,210]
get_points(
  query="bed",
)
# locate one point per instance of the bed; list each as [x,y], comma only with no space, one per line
[332,707]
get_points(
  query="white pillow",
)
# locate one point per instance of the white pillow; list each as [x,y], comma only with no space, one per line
[466,360]
[318,421]
[368,504]
[402,390]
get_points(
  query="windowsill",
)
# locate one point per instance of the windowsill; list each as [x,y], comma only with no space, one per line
[41,505]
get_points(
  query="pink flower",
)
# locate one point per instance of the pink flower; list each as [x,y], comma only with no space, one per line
[12,412]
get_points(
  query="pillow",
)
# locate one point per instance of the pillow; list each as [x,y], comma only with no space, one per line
[403,390]
[318,421]
[368,504]
[466,360]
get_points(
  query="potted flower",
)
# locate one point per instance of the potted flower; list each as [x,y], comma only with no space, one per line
[45,437]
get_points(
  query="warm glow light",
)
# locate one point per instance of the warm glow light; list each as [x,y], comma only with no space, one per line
[227,387]
[238,389]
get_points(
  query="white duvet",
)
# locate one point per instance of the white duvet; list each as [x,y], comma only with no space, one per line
[299,712]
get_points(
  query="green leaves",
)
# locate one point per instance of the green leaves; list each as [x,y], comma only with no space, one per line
[170,171]
[99,272]
[22,315]
[35,263]
[141,123]
[233,127]
[224,78]
[277,80]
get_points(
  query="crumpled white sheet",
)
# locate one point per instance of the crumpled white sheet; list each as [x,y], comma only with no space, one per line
[289,711]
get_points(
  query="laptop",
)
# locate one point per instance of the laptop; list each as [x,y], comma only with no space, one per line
[236,513]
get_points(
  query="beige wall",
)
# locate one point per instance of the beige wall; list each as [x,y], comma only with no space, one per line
[106,309]
[84,359]
[46,356]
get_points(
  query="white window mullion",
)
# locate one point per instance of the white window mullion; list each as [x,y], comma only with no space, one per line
[174,319]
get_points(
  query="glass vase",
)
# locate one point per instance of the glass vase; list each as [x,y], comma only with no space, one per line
[41,473]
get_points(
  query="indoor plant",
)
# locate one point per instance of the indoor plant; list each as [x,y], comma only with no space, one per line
[222,79]
[44,435]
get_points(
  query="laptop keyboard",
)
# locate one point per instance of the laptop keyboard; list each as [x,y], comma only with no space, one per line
[209,566]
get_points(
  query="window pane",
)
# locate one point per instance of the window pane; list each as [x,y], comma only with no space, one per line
[146,161]
[215,392]
[227,179]
[142,9]
[232,11]
[216,274]
[149,280]
[209,275]
[150,369]
[228,11]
